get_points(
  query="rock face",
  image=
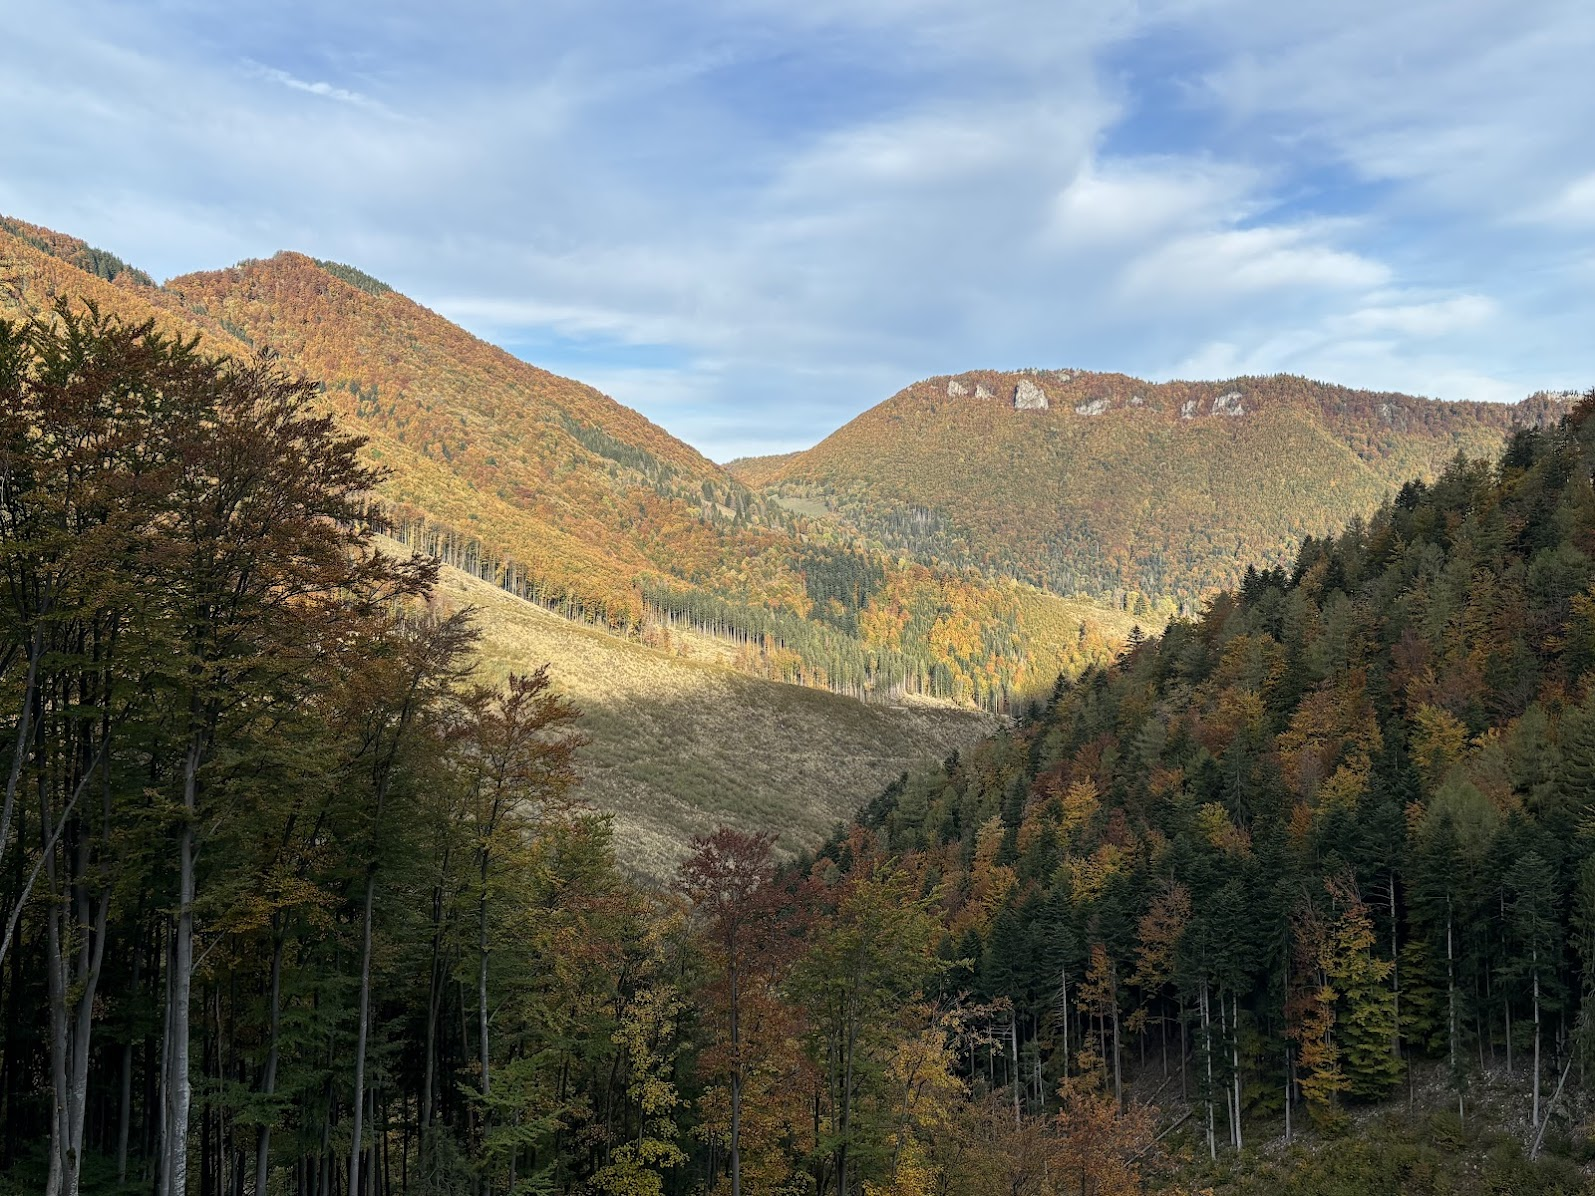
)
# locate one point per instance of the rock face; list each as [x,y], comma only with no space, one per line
[982,391]
[1229,404]
[1137,401]
[1093,407]
[956,389]
[1027,396]
[1188,409]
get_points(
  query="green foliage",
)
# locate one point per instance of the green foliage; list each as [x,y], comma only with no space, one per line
[100,263]
[355,278]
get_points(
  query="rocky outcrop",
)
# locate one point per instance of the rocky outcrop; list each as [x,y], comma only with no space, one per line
[1093,406]
[1027,396]
[1188,409]
[956,389]
[1137,401]
[1228,404]
[982,391]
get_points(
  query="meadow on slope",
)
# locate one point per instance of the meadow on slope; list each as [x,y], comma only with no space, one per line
[682,745]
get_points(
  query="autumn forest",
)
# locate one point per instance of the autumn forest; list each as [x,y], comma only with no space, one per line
[1257,874]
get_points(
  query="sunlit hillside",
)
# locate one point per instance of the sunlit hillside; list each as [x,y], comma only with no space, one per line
[1107,485]
[488,455]
[573,501]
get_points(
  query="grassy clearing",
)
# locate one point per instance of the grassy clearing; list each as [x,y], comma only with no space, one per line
[681,746]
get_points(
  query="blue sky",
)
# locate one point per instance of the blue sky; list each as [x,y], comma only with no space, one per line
[752,219]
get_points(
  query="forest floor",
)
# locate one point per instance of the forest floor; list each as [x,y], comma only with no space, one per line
[1413,1145]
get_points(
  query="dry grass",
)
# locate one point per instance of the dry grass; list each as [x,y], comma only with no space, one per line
[682,746]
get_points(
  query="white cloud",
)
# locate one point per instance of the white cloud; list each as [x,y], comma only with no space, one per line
[811,205]
[1439,317]
[325,90]
[1228,263]
[1573,204]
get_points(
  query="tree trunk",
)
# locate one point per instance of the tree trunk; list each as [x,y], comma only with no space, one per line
[1395,966]
[736,1076]
[174,1172]
[1235,1060]
[1535,1122]
[362,1033]
[1207,1050]
[1534,1152]
[1013,1043]
[19,751]
[268,1079]
[433,1008]
[1451,1007]
[1063,995]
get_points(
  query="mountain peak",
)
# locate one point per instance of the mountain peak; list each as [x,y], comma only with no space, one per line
[1102,483]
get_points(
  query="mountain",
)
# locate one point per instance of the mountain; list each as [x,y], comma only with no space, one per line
[1106,485]
[687,604]
[579,503]
[1317,861]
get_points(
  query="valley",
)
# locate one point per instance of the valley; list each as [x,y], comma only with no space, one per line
[1171,788]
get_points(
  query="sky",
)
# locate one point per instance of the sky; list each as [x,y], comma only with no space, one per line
[753,219]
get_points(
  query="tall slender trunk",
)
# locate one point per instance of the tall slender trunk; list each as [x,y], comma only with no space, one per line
[1118,1077]
[1229,1094]
[1506,1013]
[1395,966]
[1013,1043]
[1207,1050]
[1185,1050]
[19,750]
[75,933]
[433,1007]
[481,1013]
[1235,1062]
[1063,995]
[1451,1006]
[178,1099]
[1534,1152]
[1290,1090]
[1536,1119]
[362,1033]
[268,1079]
[734,984]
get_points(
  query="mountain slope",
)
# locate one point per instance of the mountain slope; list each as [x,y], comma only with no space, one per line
[563,496]
[683,743]
[1327,844]
[544,489]
[580,491]
[1102,484]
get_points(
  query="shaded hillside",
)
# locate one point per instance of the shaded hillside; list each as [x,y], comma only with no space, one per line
[563,496]
[683,742]
[1103,484]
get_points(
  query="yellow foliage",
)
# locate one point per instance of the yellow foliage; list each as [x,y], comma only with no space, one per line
[1438,741]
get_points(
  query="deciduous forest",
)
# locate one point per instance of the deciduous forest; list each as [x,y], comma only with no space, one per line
[294,904]
[567,498]
[1146,495]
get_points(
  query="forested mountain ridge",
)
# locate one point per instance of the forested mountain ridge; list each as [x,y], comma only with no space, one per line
[1339,827]
[1134,491]
[556,492]
[292,903]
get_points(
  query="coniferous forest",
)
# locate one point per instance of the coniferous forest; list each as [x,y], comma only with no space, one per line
[1298,893]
